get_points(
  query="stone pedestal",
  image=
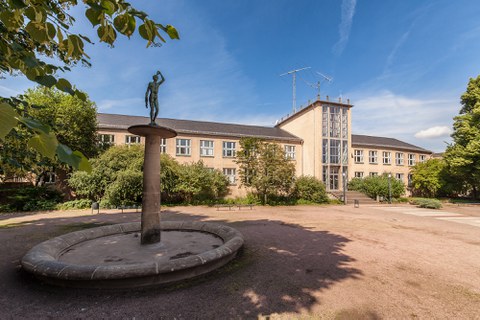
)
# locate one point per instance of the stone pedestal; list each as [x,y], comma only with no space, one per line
[150,227]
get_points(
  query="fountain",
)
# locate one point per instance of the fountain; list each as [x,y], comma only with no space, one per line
[132,255]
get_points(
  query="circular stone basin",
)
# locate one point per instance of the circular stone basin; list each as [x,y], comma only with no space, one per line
[112,256]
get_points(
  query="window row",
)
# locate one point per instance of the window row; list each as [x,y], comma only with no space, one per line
[398,176]
[109,139]
[183,147]
[358,157]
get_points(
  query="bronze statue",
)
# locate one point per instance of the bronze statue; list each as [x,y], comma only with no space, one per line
[151,96]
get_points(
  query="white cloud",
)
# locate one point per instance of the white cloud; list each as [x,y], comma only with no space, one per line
[387,114]
[348,11]
[434,132]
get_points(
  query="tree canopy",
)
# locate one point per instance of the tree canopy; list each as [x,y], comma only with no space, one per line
[264,168]
[72,120]
[35,32]
[463,156]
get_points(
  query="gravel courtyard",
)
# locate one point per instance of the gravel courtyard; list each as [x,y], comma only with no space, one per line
[305,262]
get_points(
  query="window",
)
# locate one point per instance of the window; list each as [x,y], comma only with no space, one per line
[344,123]
[290,152]
[324,151]
[358,156]
[230,174]
[399,176]
[387,157]
[132,139]
[410,176]
[372,156]
[358,174]
[411,159]
[422,158]
[334,151]
[206,148]
[163,145]
[373,174]
[335,122]
[399,158]
[106,139]
[228,149]
[183,147]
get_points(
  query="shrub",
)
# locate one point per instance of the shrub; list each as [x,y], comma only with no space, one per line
[426,203]
[75,204]
[374,186]
[117,179]
[309,190]
[29,199]
[126,190]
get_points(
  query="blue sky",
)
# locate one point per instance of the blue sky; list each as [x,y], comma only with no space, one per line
[403,64]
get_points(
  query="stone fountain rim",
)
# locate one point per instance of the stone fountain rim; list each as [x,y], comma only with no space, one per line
[42,260]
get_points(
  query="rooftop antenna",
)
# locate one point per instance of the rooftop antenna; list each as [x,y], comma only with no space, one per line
[317,85]
[294,73]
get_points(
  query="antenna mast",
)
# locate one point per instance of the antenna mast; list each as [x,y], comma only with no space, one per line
[294,73]
[329,79]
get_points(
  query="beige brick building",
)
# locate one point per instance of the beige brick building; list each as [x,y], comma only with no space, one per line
[316,138]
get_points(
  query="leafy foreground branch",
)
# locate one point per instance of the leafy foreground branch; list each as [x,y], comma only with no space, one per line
[32,31]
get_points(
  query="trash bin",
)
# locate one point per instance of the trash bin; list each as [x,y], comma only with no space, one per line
[95,206]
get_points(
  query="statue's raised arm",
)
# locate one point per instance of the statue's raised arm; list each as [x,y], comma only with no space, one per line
[151,96]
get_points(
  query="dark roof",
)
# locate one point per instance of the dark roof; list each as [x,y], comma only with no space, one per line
[117,121]
[369,141]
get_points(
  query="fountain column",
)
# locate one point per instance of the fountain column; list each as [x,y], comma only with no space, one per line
[150,228]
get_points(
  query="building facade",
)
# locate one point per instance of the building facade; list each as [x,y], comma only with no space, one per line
[316,138]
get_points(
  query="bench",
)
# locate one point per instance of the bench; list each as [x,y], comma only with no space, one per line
[128,207]
[219,206]
[245,206]
[230,206]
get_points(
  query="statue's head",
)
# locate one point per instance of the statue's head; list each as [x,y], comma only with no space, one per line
[155,77]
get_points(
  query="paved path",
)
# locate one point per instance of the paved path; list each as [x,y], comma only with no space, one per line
[436,214]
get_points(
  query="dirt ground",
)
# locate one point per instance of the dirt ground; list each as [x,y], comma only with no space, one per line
[307,262]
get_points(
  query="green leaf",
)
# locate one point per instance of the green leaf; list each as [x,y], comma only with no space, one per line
[93,16]
[12,20]
[108,6]
[45,144]
[65,86]
[84,163]
[80,95]
[65,155]
[172,32]
[47,80]
[50,31]
[35,125]
[8,119]
[18,4]
[75,159]
[37,31]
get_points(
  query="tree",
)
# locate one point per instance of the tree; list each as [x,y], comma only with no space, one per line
[33,32]
[463,156]
[264,168]
[72,120]
[427,178]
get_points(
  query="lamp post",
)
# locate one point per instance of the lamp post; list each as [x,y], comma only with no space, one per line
[344,176]
[390,188]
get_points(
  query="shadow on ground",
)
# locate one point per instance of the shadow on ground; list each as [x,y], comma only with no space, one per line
[282,269]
